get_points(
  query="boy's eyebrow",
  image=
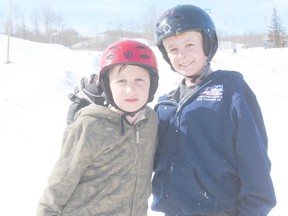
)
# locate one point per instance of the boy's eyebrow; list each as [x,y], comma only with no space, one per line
[143,76]
[188,39]
[168,46]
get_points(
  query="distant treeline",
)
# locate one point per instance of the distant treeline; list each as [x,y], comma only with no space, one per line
[49,27]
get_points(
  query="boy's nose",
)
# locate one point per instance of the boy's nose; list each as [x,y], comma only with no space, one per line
[182,55]
[130,88]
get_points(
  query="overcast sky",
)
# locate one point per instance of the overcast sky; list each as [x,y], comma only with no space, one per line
[90,16]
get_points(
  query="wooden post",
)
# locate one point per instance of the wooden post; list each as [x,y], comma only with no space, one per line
[9,33]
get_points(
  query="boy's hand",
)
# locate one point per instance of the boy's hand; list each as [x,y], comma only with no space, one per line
[89,91]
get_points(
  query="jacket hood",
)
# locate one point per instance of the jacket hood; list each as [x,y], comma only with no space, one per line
[97,111]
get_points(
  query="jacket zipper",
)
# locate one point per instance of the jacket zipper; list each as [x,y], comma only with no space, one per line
[180,106]
[190,97]
[137,156]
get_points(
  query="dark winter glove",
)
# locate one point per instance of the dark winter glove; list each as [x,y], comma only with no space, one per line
[78,103]
[89,91]
[86,81]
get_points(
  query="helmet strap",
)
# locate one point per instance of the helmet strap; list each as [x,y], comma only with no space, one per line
[125,114]
[201,76]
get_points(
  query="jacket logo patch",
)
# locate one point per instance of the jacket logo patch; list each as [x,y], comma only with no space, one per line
[213,93]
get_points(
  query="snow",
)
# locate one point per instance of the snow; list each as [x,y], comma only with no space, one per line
[34,104]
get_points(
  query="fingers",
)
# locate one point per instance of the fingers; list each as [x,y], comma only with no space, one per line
[93,78]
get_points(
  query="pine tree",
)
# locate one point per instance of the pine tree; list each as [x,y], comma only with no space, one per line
[277,31]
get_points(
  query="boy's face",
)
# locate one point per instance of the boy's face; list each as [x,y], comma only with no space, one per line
[186,53]
[130,85]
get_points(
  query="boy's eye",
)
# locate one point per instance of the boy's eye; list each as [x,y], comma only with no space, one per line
[139,79]
[121,81]
[173,50]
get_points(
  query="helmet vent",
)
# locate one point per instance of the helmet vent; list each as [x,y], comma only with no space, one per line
[178,18]
[114,48]
[141,47]
[111,57]
[144,56]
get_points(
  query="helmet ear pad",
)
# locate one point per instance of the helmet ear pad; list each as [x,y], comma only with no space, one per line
[153,84]
[210,44]
[165,56]
[105,85]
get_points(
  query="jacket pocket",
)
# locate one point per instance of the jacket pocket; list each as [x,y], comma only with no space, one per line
[186,191]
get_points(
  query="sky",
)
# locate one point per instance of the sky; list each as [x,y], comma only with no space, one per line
[34,102]
[90,16]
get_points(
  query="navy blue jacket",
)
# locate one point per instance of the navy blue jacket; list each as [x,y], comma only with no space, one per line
[212,152]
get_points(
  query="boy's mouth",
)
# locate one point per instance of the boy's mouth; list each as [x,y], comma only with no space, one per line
[131,100]
[185,64]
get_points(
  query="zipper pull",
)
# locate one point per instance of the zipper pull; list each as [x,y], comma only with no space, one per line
[138,136]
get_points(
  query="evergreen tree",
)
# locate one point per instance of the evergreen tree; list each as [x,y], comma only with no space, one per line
[277,31]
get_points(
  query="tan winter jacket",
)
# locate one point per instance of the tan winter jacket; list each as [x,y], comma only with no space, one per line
[100,171]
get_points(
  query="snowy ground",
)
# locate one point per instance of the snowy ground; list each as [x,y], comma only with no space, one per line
[33,108]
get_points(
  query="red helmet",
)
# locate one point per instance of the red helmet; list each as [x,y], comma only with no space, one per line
[128,52]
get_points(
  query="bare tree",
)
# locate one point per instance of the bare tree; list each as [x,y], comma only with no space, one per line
[1,22]
[68,37]
[149,23]
[20,26]
[53,24]
[36,26]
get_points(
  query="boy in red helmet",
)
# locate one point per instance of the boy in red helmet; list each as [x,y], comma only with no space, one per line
[106,161]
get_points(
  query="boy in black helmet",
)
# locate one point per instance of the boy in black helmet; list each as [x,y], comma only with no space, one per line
[212,152]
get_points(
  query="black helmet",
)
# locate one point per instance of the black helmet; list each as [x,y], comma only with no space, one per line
[183,18]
